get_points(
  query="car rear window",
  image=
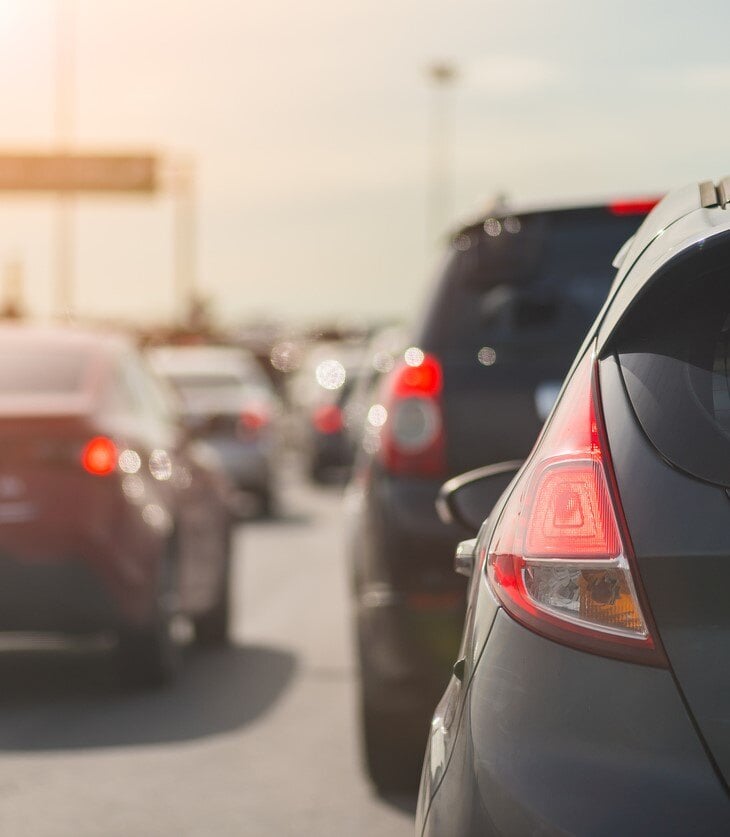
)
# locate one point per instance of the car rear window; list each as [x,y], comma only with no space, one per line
[674,352]
[526,279]
[187,381]
[38,370]
[206,391]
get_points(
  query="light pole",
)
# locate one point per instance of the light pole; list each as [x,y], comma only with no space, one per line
[441,76]
[185,261]
[64,130]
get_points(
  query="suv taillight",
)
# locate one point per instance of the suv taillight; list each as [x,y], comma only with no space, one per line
[560,558]
[412,439]
[327,419]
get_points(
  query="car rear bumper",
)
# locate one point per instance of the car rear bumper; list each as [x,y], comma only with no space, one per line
[406,654]
[247,464]
[87,566]
[557,741]
[65,597]
[409,601]
[330,452]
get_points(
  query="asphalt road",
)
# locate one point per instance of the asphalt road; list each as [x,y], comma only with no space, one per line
[257,739]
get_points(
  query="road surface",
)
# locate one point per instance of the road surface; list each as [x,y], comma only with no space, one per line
[257,739]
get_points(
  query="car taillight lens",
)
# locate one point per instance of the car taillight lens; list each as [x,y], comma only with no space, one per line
[412,439]
[560,559]
[252,421]
[327,419]
[99,456]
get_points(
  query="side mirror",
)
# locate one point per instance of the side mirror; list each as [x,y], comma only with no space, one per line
[469,498]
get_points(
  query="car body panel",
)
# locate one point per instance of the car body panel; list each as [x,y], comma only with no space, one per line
[409,604]
[554,741]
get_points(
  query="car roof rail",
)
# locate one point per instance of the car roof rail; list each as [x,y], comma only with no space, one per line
[712,195]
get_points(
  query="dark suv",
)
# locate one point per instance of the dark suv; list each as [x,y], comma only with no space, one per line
[516,296]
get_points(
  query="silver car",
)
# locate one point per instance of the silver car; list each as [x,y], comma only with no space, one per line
[229,402]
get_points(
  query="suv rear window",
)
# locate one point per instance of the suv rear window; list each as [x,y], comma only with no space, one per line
[526,279]
[674,351]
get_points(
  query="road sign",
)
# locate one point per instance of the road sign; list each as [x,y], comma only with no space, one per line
[74,172]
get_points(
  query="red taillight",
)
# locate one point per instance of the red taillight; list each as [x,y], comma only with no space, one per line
[412,439]
[570,514]
[424,379]
[327,419]
[560,559]
[99,456]
[252,421]
[640,206]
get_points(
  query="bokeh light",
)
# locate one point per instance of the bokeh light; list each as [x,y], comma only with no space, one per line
[487,356]
[331,374]
[414,356]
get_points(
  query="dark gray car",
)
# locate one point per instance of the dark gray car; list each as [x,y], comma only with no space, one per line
[591,692]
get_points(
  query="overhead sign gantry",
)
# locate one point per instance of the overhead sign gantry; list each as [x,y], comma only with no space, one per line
[67,174]
[75,172]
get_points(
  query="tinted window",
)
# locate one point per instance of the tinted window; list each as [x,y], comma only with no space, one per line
[34,370]
[524,280]
[187,381]
[674,350]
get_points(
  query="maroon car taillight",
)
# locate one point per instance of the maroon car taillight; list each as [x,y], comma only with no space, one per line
[560,559]
[99,456]
[412,438]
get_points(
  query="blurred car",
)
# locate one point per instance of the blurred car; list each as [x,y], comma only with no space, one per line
[230,403]
[318,392]
[329,449]
[338,417]
[591,691]
[111,518]
[517,294]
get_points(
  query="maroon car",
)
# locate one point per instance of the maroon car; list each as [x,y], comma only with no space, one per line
[112,518]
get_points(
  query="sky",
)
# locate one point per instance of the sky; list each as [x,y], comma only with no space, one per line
[309,123]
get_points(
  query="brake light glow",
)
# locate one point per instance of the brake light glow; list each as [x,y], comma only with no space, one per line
[423,379]
[327,419]
[640,206]
[412,439]
[560,559]
[252,421]
[99,456]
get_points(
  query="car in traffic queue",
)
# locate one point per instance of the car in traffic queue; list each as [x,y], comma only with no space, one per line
[113,519]
[516,295]
[338,417]
[328,449]
[590,694]
[230,403]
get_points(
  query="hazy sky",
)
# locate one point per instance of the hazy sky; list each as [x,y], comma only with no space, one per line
[309,122]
